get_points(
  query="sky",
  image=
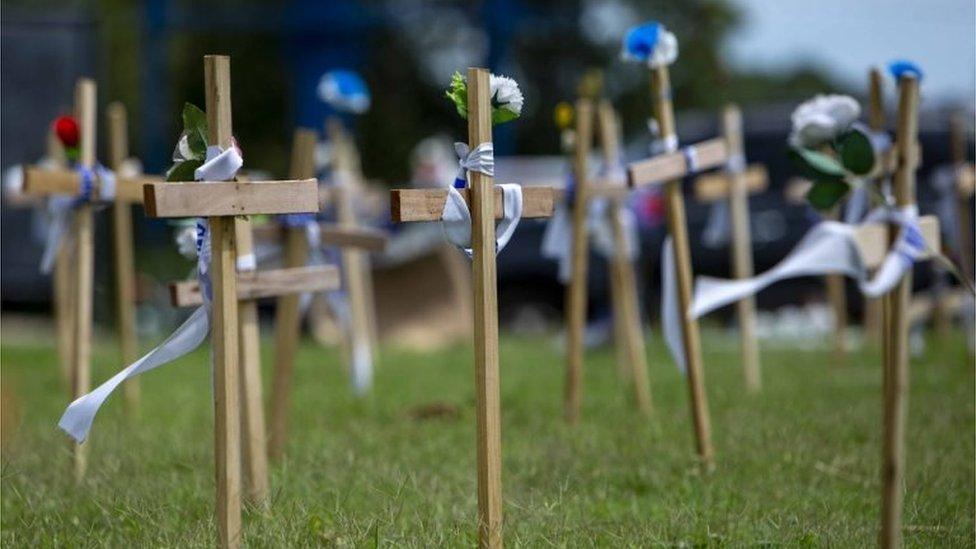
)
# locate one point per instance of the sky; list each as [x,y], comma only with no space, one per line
[849,36]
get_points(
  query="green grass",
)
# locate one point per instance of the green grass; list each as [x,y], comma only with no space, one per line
[796,465]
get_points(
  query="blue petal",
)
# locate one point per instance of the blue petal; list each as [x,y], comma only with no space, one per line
[903,67]
[344,90]
[640,41]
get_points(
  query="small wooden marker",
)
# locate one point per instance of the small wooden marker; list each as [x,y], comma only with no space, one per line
[898,300]
[221,203]
[668,169]
[579,258]
[735,187]
[631,349]
[125,271]
[288,315]
[484,203]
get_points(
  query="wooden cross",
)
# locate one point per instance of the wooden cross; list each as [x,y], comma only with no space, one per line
[125,272]
[287,314]
[221,203]
[629,334]
[667,169]
[485,203]
[628,331]
[735,187]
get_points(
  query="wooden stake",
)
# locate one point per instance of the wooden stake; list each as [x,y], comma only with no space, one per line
[678,229]
[629,331]
[893,467]
[485,319]
[874,307]
[355,263]
[742,249]
[125,272]
[84,263]
[61,280]
[224,330]
[287,312]
[576,290]
[957,131]
[254,456]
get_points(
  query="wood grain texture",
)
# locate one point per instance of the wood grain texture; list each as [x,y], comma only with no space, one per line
[407,205]
[224,330]
[483,205]
[666,167]
[362,238]
[896,394]
[254,441]
[59,182]
[576,294]
[287,310]
[264,284]
[678,229]
[84,264]
[631,348]
[712,187]
[124,261]
[213,199]
[737,194]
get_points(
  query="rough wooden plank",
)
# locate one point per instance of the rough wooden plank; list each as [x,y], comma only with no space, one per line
[736,192]
[64,182]
[712,187]
[872,239]
[264,284]
[576,294]
[363,238]
[224,331]
[427,204]
[678,229]
[124,262]
[669,166]
[483,204]
[227,198]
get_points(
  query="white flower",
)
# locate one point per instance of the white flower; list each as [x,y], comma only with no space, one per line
[186,241]
[506,93]
[666,50]
[823,118]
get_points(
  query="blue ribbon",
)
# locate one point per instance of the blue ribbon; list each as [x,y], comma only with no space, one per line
[640,41]
[904,67]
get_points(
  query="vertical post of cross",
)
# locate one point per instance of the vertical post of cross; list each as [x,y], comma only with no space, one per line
[678,229]
[628,328]
[896,368]
[741,246]
[61,279]
[579,256]
[125,283]
[84,263]
[484,285]
[874,308]
[224,330]
[287,312]
[959,143]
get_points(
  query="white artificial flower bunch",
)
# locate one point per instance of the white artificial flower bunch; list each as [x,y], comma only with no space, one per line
[823,118]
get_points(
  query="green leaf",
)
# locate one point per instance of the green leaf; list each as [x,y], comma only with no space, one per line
[856,152]
[195,128]
[817,165]
[826,193]
[458,93]
[500,116]
[183,171]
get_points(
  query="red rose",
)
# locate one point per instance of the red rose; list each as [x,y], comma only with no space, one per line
[67,131]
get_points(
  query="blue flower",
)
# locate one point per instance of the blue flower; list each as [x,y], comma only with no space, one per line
[344,90]
[651,43]
[903,67]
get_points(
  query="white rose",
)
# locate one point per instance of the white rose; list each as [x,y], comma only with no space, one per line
[822,119]
[507,93]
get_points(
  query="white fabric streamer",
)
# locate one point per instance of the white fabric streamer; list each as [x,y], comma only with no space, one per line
[78,418]
[456,218]
[828,248]
[59,208]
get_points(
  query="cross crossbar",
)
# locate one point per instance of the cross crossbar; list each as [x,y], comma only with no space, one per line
[407,205]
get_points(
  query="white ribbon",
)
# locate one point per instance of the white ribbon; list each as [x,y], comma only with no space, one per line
[456,218]
[77,419]
[829,247]
[58,211]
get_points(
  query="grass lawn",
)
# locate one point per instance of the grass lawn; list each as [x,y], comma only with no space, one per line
[797,465]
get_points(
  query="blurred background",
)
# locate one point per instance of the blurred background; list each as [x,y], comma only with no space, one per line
[765,56]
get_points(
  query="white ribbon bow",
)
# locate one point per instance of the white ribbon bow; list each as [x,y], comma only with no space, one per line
[77,419]
[829,247]
[456,218]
